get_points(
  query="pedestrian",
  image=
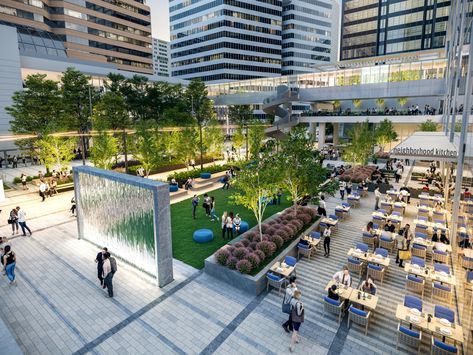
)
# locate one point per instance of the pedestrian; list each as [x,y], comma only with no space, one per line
[229,225]
[349,187]
[22,221]
[108,271]
[213,214]
[13,220]
[206,205]
[286,303]
[224,223]
[73,206]
[195,203]
[225,181]
[377,196]
[342,187]
[237,223]
[402,248]
[53,190]
[321,210]
[193,163]
[15,162]
[99,260]
[42,190]
[327,233]
[9,263]
[279,194]
[23,178]
[398,173]
[297,315]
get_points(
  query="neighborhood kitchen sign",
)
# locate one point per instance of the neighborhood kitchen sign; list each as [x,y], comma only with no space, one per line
[434,152]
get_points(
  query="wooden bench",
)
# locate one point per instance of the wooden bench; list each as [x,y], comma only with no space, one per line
[65,187]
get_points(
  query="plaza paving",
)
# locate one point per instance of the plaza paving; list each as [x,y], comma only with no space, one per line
[59,308]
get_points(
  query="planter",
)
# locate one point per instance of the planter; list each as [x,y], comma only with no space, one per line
[205,175]
[382,187]
[251,284]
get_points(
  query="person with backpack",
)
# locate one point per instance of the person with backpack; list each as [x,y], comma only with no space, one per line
[13,220]
[99,260]
[297,315]
[9,263]
[109,269]
[286,303]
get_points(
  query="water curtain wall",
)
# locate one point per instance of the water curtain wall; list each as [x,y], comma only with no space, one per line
[127,214]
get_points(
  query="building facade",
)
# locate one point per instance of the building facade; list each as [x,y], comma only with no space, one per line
[106,31]
[373,28]
[309,35]
[161,57]
[223,40]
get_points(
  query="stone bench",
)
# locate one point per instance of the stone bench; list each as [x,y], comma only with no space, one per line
[178,193]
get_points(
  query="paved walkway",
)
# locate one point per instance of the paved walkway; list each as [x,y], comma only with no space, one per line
[59,308]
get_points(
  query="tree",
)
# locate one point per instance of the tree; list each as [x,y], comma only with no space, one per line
[238,139]
[147,145]
[380,103]
[428,126]
[77,103]
[104,148]
[299,167]
[188,140]
[242,115]
[357,103]
[385,133]
[201,109]
[362,144]
[56,152]
[170,141]
[214,138]
[256,136]
[337,104]
[402,101]
[255,185]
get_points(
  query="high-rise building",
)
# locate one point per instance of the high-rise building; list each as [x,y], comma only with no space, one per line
[309,34]
[113,31]
[161,57]
[385,27]
[222,40]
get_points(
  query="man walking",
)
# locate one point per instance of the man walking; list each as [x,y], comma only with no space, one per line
[42,190]
[377,196]
[99,260]
[195,203]
[109,269]
[22,221]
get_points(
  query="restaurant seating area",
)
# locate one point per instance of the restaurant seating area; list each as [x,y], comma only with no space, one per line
[434,281]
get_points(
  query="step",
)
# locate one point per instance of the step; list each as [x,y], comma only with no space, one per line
[178,193]
[202,186]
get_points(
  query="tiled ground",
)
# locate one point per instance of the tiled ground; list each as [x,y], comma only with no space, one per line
[58,308]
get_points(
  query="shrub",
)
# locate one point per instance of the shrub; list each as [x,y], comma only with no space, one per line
[240,253]
[277,240]
[283,233]
[182,176]
[231,262]
[270,230]
[253,245]
[16,180]
[245,242]
[230,248]
[250,235]
[244,266]
[253,259]
[238,245]
[264,228]
[260,254]
[305,218]
[267,247]
[272,222]
[222,256]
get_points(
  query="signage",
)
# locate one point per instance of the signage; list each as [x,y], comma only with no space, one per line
[434,152]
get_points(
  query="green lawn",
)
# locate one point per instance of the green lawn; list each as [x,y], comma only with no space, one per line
[183,226]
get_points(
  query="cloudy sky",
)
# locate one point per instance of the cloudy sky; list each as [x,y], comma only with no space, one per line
[159,18]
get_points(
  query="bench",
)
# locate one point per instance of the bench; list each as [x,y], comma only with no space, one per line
[178,193]
[65,187]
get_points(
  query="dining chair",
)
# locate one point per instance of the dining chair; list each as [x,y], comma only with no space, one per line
[417,261]
[445,313]
[275,281]
[419,250]
[441,292]
[386,242]
[441,348]
[467,263]
[415,284]
[409,337]
[355,266]
[362,246]
[413,302]
[369,239]
[376,272]
[304,250]
[421,235]
[381,251]
[360,317]
[439,256]
[333,306]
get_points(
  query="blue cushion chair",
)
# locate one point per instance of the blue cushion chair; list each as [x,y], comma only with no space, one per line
[333,306]
[440,256]
[419,250]
[445,313]
[396,213]
[205,175]
[362,246]
[375,225]
[413,302]
[345,204]
[441,291]
[386,242]
[415,284]
[469,276]
[360,317]
[290,260]
[369,239]
[380,251]
[275,281]
[382,211]
[421,235]
[442,268]
[315,235]
[409,337]
[203,235]
[417,261]
[439,347]
[355,266]
[376,272]
[173,188]
[304,250]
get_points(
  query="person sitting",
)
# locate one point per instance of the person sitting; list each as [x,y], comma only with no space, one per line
[343,277]
[438,207]
[173,182]
[390,227]
[188,184]
[426,188]
[332,293]
[467,194]
[440,236]
[407,192]
[370,227]
[368,286]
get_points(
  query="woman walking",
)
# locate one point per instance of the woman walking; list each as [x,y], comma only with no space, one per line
[23,178]
[224,223]
[229,226]
[9,262]
[327,234]
[13,220]
[297,315]
[213,214]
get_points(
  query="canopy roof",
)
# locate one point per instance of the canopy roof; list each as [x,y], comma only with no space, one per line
[426,146]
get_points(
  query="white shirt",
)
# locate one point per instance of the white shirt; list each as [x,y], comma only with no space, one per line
[229,222]
[343,185]
[327,232]
[21,216]
[42,187]
[377,194]
[322,204]
[342,278]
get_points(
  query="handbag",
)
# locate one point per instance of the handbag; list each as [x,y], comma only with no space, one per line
[405,254]
[10,221]
[286,307]
[296,318]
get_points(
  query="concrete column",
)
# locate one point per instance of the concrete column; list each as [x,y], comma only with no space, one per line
[336,133]
[313,129]
[321,135]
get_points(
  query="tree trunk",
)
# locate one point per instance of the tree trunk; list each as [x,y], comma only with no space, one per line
[125,150]
[82,143]
[246,143]
[201,143]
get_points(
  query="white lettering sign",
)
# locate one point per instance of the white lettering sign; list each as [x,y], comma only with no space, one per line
[434,152]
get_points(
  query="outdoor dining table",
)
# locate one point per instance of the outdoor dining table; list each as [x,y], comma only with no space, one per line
[369,257]
[430,274]
[313,242]
[406,314]
[343,291]
[355,198]
[366,300]
[397,193]
[430,244]
[282,269]
[432,198]
[379,214]
[441,226]
[330,221]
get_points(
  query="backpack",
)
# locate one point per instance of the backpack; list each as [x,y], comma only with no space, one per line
[113,264]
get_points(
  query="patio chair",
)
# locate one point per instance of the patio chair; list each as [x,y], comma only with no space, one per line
[340,213]
[381,251]
[439,216]
[409,337]
[334,217]
[333,306]
[396,213]
[440,221]
[385,206]
[275,281]
[425,202]
[315,235]
[441,348]
[353,201]
[369,239]
[419,250]
[386,242]
[376,226]
[421,235]
[423,218]
[415,284]
[362,246]
[380,221]
[469,276]
[355,266]
[441,292]
[413,302]
[439,256]
[445,313]
[467,262]
[417,261]
[383,211]
[291,261]
[422,213]
[398,208]
[360,317]
[304,250]
[376,272]
[346,205]
[421,229]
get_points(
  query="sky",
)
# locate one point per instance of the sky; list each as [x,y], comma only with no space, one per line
[159,18]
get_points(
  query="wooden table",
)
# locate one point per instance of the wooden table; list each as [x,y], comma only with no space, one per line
[429,244]
[329,221]
[430,274]
[283,271]
[394,217]
[370,257]
[379,214]
[345,209]
[432,198]
[312,241]
[398,192]
[404,314]
[432,225]
[370,302]
[343,291]
[456,330]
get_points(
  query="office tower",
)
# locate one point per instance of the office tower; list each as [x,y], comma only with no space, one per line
[309,34]
[107,31]
[223,40]
[384,27]
[161,57]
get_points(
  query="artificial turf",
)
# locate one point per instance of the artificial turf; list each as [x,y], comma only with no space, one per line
[183,225]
